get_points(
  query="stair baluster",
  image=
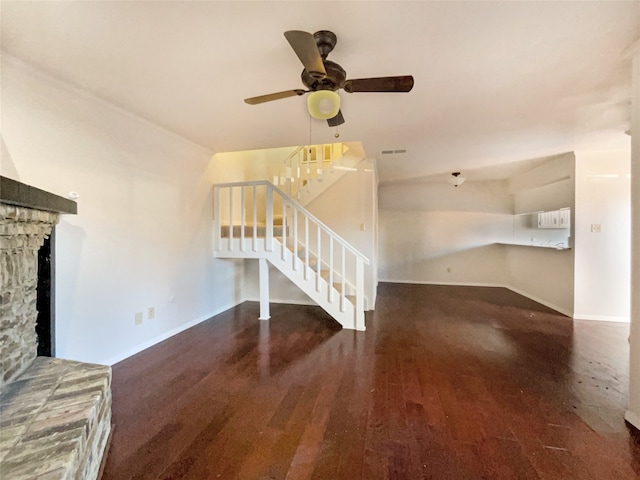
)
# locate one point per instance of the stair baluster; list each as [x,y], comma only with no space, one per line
[243,213]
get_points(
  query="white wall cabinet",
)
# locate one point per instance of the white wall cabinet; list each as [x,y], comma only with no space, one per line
[555,219]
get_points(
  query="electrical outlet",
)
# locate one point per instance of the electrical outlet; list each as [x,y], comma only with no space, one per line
[151,312]
[596,228]
[138,318]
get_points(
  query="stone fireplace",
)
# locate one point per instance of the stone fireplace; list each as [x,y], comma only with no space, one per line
[55,414]
[22,232]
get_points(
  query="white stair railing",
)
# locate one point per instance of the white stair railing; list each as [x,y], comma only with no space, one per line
[306,164]
[318,259]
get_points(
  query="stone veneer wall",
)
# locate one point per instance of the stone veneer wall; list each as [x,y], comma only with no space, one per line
[22,233]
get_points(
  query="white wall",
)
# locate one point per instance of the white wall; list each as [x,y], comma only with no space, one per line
[633,411]
[603,259]
[142,236]
[435,233]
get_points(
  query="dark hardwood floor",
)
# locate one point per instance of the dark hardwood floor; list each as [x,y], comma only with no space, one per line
[446,383]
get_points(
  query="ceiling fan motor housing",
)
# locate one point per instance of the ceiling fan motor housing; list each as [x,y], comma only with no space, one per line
[326,42]
[336,76]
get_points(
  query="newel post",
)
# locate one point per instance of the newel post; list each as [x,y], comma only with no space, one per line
[269,206]
[359,294]
[216,218]
[263,273]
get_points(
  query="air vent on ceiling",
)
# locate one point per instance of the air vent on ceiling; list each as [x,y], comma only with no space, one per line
[392,152]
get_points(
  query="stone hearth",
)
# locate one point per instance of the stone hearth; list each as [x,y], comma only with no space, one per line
[55,414]
[56,421]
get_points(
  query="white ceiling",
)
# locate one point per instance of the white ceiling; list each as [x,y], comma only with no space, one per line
[495,82]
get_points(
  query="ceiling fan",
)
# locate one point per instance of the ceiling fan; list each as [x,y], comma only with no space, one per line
[322,75]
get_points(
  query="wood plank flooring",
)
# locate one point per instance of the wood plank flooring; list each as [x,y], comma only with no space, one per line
[446,383]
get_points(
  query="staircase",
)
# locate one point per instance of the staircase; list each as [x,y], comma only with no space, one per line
[258,220]
[310,170]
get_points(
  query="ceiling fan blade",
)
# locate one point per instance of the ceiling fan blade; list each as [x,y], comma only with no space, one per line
[306,49]
[274,96]
[337,120]
[403,83]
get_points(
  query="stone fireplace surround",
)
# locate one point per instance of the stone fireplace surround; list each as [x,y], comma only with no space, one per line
[55,414]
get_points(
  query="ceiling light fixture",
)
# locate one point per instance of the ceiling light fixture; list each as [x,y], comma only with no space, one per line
[323,104]
[456,180]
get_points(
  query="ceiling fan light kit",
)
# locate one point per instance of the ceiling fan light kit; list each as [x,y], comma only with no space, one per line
[323,77]
[323,104]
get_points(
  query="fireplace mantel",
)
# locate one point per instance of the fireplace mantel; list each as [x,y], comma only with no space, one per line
[19,194]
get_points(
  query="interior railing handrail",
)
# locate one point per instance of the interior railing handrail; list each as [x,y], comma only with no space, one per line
[300,208]
[294,153]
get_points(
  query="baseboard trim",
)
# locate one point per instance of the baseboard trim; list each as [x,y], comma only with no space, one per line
[632,418]
[600,318]
[453,284]
[163,336]
[552,306]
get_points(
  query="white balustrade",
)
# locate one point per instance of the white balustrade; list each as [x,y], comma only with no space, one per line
[305,164]
[298,225]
